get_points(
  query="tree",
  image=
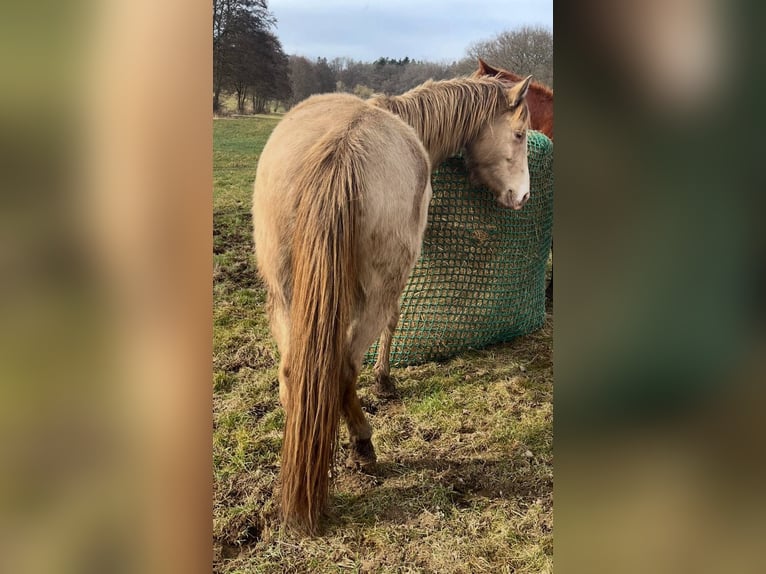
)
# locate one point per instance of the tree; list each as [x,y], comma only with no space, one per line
[229,18]
[353,73]
[244,54]
[247,57]
[338,65]
[302,79]
[415,73]
[464,67]
[310,78]
[385,75]
[526,50]
[325,77]
[362,91]
[271,80]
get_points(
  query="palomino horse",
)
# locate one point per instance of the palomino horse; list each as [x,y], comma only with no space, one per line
[339,209]
[540,101]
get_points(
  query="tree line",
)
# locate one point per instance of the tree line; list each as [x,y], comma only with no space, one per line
[250,65]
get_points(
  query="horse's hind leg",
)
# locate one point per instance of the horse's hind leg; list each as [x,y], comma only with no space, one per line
[279,319]
[360,432]
[384,385]
[367,326]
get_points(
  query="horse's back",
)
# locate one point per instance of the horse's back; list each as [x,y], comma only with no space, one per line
[393,175]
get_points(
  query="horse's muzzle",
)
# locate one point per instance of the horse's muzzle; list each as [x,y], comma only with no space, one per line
[507,199]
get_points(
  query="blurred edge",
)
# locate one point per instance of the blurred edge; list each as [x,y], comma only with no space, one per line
[105,358]
[106,347]
[660,339]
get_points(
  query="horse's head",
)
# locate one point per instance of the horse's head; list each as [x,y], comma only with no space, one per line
[497,158]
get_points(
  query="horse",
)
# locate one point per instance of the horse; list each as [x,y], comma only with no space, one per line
[540,101]
[539,97]
[340,204]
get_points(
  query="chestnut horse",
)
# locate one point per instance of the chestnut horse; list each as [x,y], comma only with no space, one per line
[340,205]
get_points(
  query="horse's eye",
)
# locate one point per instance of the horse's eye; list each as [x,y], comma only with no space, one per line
[519,135]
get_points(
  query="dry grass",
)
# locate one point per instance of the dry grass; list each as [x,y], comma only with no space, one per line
[464,478]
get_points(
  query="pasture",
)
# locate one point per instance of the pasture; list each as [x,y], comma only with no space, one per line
[464,480]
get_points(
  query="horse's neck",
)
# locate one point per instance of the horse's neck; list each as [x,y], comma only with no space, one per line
[444,114]
[542,96]
[540,102]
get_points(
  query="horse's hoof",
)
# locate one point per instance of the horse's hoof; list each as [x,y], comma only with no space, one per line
[385,387]
[361,455]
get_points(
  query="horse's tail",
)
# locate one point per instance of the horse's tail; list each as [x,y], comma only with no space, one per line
[324,282]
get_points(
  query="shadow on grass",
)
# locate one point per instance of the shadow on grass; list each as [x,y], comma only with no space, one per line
[443,484]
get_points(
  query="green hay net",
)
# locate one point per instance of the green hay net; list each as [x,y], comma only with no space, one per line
[480,279]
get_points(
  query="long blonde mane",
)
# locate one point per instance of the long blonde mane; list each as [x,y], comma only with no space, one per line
[449,113]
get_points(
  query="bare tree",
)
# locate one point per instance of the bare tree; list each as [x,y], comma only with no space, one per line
[415,73]
[464,67]
[308,78]
[363,91]
[527,50]
[325,76]
[302,78]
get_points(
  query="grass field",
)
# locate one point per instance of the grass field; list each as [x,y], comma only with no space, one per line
[464,481]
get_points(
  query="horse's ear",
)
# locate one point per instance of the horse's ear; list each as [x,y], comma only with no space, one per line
[486,70]
[519,91]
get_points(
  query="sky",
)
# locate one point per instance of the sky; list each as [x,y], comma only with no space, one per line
[437,31]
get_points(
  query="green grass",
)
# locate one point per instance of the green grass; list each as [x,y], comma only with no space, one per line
[464,478]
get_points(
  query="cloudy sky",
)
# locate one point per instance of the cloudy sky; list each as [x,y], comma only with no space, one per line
[421,29]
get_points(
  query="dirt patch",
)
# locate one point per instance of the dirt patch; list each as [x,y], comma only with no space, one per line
[242,530]
[239,274]
[247,354]
[429,434]
[259,410]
